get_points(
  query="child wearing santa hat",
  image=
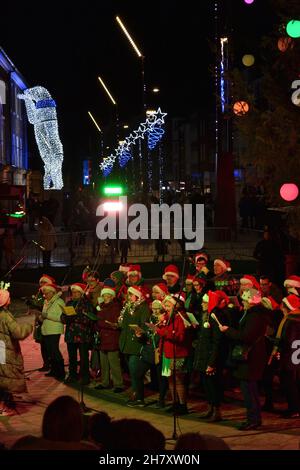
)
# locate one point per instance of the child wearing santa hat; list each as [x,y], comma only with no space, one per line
[79,332]
[107,327]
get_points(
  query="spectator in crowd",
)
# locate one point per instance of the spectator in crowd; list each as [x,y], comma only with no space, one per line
[62,428]
[47,239]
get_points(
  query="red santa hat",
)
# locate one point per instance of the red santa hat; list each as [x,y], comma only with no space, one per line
[292,302]
[162,288]
[4,297]
[179,296]
[47,279]
[223,299]
[124,268]
[189,279]
[224,263]
[50,288]
[171,270]
[108,290]
[213,301]
[174,298]
[269,303]
[250,281]
[292,283]
[201,256]
[137,291]
[134,270]
[79,287]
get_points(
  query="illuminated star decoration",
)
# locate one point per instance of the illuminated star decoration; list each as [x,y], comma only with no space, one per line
[41,112]
[152,127]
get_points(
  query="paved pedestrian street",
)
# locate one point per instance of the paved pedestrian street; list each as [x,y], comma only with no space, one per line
[275,434]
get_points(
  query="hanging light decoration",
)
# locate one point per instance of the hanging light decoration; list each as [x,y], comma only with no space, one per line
[41,112]
[152,126]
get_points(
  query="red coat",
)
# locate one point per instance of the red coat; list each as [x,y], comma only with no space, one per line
[109,335]
[178,334]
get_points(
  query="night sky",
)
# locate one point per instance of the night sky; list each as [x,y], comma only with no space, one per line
[65,47]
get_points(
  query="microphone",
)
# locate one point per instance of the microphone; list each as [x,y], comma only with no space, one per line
[40,246]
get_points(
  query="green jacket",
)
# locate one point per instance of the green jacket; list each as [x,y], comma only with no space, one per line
[136,314]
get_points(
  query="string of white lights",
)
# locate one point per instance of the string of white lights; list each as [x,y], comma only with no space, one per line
[152,126]
[41,112]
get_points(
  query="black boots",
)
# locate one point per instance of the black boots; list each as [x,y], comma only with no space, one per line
[212,414]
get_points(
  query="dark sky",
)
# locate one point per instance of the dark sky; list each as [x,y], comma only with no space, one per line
[63,47]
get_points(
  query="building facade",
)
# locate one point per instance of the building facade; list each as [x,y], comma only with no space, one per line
[13,125]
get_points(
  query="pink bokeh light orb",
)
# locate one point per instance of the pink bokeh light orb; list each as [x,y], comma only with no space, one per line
[289,191]
[248,1]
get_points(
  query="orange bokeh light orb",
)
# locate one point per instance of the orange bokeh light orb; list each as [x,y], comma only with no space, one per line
[240,108]
[285,43]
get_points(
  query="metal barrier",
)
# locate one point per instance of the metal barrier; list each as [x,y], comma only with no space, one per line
[80,248]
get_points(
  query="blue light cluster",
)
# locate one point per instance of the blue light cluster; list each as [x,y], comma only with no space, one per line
[155,134]
[124,157]
[45,104]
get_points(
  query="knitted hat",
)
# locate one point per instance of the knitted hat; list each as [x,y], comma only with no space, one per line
[79,287]
[4,297]
[108,282]
[93,275]
[224,263]
[47,279]
[252,296]
[156,304]
[248,280]
[137,291]
[171,270]
[292,302]
[108,290]
[50,288]
[162,288]
[292,283]
[134,270]
[119,275]
[189,279]
[201,257]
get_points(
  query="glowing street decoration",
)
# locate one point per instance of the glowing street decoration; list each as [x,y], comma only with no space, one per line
[289,192]
[293,28]
[113,206]
[152,127]
[41,112]
[116,190]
